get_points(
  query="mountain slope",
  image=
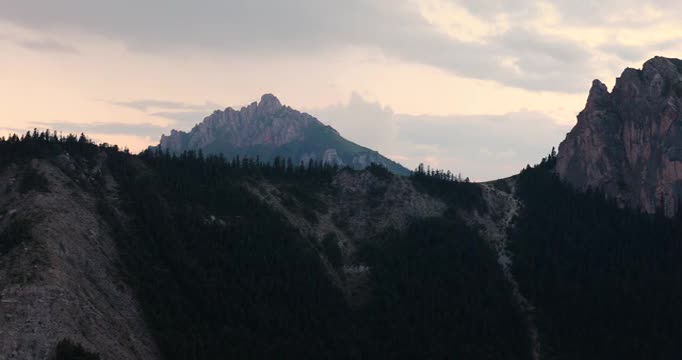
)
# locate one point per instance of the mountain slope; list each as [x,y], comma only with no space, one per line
[241,259]
[629,142]
[200,257]
[605,281]
[267,130]
[60,268]
[408,278]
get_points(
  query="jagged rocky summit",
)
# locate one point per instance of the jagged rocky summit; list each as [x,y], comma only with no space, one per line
[268,129]
[628,142]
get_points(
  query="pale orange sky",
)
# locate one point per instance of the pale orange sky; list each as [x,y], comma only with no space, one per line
[436,61]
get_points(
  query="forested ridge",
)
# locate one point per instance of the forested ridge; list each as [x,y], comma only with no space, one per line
[220,274]
[606,281]
[439,292]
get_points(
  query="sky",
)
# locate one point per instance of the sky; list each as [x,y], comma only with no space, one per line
[479,87]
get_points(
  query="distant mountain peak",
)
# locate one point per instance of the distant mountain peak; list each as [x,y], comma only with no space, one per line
[269,104]
[268,129]
[628,142]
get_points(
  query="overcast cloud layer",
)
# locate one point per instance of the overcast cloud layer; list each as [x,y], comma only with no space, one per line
[479,86]
[513,51]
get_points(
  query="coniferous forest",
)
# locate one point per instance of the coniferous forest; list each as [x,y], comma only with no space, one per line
[264,294]
[251,287]
[606,282]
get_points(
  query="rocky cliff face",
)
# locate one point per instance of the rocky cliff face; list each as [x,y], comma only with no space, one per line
[60,269]
[267,129]
[629,142]
[263,123]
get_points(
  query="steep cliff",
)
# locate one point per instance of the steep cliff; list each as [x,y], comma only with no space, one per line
[629,142]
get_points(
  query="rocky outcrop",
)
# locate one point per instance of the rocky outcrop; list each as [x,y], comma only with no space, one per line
[60,269]
[267,129]
[628,142]
[354,198]
[503,206]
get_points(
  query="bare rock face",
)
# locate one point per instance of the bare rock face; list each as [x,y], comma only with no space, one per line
[60,277]
[267,129]
[261,123]
[629,142]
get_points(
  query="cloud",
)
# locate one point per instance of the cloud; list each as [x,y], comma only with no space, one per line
[182,120]
[365,122]
[483,147]
[636,52]
[148,104]
[182,115]
[631,30]
[47,45]
[604,13]
[38,44]
[520,57]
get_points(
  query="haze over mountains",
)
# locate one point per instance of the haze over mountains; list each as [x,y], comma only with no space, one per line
[627,143]
[267,130]
[212,245]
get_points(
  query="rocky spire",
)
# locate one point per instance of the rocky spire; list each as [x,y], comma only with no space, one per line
[629,142]
[269,104]
[599,96]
